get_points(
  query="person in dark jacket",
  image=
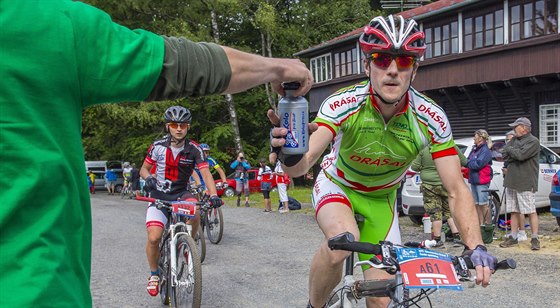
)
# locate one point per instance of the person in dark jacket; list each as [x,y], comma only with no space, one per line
[522,180]
[480,174]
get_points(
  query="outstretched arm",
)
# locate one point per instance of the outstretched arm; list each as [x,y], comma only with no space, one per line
[250,70]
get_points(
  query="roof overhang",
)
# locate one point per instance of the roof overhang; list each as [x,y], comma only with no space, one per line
[419,13]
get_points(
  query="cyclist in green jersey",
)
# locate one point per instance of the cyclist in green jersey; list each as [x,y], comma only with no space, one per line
[376,128]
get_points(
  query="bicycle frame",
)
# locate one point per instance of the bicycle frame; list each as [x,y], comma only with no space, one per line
[173,242]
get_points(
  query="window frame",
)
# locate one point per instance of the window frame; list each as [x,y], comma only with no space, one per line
[442,38]
[549,124]
[531,23]
[475,38]
[321,68]
[346,68]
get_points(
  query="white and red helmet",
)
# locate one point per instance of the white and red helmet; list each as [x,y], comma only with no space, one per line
[394,35]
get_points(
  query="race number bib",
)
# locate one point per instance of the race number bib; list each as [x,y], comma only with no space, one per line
[427,269]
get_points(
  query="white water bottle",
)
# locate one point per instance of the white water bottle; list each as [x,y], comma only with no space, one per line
[427,223]
[294,116]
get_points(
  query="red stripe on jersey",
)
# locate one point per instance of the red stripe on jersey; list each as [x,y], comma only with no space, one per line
[154,224]
[447,152]
[361,187]
[334,198]
[203,165]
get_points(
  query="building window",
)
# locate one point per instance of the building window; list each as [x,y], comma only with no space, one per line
[533,18]
[321,68]
[550,125]
[484,30]
[468,34]
[345,63]
[442,40]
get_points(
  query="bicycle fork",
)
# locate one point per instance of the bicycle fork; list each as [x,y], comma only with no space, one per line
[173,250]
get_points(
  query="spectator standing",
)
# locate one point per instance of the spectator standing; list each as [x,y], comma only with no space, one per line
[91,176]
[521,234]
[434,194]
[90,183]
[522,180]
[110,180]
[265,176]
[241,166]
[282,187]
[134,179]
[480,174]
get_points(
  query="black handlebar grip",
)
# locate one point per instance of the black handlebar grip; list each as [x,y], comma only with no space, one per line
[502,265]
[506,264]
[291,85]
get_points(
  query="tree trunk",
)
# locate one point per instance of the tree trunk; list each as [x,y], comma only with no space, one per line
[267,52]
[229,98]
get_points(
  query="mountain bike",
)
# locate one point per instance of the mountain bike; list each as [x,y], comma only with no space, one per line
[418,272]
[179,262]
[211,219]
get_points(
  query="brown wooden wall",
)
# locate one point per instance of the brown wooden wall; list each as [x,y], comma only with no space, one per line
[523,59]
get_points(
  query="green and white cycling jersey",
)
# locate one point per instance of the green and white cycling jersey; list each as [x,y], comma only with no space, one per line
[371,156]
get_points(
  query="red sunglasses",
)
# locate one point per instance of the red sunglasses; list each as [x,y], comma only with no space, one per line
[176,125]
[383,60]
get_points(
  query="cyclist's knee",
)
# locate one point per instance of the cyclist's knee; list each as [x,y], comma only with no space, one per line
[154,236]
[334,257]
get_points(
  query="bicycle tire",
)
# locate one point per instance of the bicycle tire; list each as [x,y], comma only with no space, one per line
[214,225]
[188,291]
[494,203]
[165,274]
[201,243]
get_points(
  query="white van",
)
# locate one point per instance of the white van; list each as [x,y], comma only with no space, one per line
[99,167]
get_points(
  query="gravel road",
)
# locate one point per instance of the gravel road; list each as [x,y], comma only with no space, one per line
[263,261]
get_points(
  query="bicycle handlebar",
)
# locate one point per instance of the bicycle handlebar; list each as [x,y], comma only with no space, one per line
[345,241]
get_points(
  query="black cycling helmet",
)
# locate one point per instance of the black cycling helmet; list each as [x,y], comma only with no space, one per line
[177,114]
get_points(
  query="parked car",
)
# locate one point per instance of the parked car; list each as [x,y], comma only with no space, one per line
[549,164]
[555,196]
[254,184]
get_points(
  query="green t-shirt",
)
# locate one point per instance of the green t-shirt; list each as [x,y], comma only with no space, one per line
[57,57]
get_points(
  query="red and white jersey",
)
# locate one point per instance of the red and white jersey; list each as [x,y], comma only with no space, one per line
[174,166]
[280,175]
[265,174]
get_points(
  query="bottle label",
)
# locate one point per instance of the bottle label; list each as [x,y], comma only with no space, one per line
[295,123]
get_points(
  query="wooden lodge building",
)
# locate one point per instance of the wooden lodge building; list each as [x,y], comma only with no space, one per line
[487,63]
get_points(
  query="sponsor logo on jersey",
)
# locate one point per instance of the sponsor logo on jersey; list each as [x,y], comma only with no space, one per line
[376,148]
[434,115]
[380,161]
[343,101]
[402,126]
[378,154]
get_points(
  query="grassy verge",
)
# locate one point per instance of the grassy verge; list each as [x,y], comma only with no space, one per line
[302,194]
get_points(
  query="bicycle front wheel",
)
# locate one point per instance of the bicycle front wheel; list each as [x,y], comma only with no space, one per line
[214,225]
[188,290]
[165,273]
[201,243]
